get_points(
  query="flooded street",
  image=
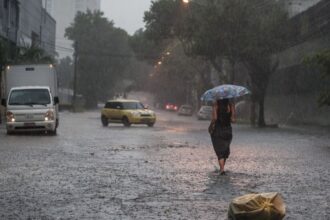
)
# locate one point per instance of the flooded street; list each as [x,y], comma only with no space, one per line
[166,172]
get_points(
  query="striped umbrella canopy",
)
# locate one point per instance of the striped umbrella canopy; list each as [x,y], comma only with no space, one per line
[226,91]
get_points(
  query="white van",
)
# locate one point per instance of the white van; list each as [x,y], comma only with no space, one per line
[31,98]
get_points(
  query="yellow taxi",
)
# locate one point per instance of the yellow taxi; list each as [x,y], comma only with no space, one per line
[127,112]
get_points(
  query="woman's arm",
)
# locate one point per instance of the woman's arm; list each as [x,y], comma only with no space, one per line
[214,112]
[233,113]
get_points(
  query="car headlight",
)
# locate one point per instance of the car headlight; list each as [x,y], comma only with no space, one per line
[10,117]
[49,116]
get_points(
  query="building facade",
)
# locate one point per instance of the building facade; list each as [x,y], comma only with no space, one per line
[25,23]
[36,26]
[9,20]
[64,13]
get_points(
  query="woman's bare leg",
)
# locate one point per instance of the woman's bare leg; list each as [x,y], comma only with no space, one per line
[222,165]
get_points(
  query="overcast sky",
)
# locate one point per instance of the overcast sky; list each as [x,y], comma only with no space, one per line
[126,14]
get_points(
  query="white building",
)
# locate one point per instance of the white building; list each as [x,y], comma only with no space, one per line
[64,12]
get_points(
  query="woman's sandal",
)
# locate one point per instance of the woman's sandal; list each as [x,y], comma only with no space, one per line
[222,173]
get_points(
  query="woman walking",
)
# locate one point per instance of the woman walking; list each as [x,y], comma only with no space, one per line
[223,115]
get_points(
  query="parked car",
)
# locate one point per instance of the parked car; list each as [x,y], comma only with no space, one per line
[205,113]
[171,107]
[186,110]
[127,112]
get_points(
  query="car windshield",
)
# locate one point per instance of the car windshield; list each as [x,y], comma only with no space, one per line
[132,105]
[29,97]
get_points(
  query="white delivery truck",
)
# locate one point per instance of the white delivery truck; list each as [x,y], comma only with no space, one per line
[30,98]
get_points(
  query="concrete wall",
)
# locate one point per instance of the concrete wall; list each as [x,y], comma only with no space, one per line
[295,7]
[292,97]
[294,89]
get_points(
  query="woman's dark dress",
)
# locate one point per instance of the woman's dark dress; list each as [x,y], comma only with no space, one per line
[222,135]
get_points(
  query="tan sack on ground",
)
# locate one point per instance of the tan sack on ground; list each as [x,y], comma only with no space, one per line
[263,206]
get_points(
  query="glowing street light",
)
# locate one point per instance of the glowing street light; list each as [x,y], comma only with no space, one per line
[186,1]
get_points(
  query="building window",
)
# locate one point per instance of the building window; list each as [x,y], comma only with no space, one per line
[1,9]
[13,15]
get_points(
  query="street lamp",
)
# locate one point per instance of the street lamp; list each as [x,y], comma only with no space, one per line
[198,2]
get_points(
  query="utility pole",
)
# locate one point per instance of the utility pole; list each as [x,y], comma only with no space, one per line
[1,91]
[75,57]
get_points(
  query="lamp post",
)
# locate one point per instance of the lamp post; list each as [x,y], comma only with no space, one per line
[186,2]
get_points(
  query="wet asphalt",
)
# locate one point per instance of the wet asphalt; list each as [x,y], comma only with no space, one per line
[166,172]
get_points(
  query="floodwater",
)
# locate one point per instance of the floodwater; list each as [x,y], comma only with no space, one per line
[166,172]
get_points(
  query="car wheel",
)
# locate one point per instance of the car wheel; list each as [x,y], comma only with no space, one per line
[150,124]
[53,133]
[126,122]
[104,121]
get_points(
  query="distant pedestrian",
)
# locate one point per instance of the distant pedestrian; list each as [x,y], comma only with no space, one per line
[223,115]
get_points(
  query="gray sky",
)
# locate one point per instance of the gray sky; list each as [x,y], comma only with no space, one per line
[126,14]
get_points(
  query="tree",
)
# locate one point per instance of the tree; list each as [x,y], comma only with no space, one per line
[178,76]
[4,56]
[205,28]
[65,72]
[32,54]
[146,49]
[103,54]
[246,31]
[267,33]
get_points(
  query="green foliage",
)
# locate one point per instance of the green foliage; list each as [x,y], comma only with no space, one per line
[65,70]
[3,53]
[323,61]
[146,49]
[32,54]
[11,54]
[103,54]
[7,52]
[161,19]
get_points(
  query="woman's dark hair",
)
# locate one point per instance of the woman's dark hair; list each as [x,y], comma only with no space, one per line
[223,104]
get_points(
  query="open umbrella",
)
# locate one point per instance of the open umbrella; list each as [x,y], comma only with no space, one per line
[226,91]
